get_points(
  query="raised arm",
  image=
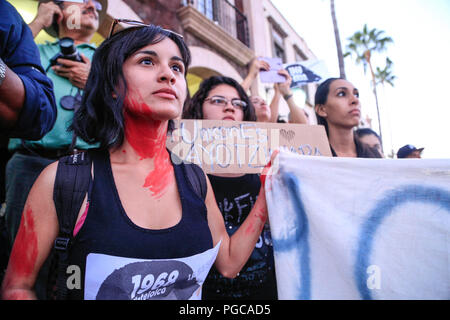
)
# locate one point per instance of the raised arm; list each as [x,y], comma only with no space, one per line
[44,17]
[37,232]
[296,114]
[256,65]
[275,103]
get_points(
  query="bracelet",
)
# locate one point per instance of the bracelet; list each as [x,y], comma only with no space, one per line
[2,71]
[288,96]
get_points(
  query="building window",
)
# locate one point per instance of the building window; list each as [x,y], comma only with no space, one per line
[278,44]
[207,8]
[299,55]
[278,51]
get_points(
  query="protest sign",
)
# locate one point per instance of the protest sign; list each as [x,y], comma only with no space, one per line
[272,75]
[304,72]
[242,147]
[348,228]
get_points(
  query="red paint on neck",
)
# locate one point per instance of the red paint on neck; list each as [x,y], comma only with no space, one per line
[148,138]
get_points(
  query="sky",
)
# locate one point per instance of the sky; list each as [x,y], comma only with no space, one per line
[417,109]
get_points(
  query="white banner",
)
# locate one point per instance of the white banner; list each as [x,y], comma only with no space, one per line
[345,228]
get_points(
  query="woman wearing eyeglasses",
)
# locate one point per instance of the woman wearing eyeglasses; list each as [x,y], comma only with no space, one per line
[237,195]
[145,233]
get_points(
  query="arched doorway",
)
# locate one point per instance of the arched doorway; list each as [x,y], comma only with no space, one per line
[206,63]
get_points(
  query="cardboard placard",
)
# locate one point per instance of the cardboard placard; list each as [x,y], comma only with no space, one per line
[242,147]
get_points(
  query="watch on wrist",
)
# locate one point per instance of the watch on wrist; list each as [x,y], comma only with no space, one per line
[2,71]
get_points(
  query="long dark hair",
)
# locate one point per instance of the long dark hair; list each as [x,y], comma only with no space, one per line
[321,98]
[100,117]
[361,132]
[195,108]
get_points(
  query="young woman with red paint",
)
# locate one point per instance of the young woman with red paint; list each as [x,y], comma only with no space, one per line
[222,98]
[338,109]
[145,233]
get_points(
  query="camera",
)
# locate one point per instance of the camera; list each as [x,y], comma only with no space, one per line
[67,51]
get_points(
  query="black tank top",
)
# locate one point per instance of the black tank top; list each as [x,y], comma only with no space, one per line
[109,246]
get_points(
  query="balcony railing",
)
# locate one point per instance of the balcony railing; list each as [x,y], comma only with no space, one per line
[226,15]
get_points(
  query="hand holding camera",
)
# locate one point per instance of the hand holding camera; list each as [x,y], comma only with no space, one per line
[70,64]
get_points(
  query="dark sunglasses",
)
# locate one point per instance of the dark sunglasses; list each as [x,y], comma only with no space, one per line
[137,24]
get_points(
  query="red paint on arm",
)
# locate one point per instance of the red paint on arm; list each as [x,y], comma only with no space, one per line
[267,168]
[25,251]
[23,256]
[258,219]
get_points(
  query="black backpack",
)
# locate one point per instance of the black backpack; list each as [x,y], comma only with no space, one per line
[73,178]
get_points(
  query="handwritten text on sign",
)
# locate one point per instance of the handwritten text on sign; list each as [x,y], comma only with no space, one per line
[242,147]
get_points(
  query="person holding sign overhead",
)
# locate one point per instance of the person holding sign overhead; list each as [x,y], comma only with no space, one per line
[222,98]
[338,109]
[281,89]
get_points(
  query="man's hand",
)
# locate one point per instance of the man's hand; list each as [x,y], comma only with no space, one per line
[44,17]
[76,72]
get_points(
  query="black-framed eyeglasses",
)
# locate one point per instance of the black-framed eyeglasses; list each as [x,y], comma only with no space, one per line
[137,24]
[222,102]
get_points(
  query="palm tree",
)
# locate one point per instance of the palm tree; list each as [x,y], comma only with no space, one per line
[363,44]
[385,75]
[338,41]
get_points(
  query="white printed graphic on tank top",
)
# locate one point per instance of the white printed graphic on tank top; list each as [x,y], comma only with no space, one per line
[118,278]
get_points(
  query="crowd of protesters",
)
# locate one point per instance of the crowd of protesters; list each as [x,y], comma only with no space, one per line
[118,101]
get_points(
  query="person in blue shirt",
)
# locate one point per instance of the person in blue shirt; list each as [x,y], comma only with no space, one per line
[27,103]
[69,77]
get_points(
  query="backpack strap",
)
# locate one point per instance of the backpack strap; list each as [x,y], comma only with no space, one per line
[194,174]
[197,178]
[73,177]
